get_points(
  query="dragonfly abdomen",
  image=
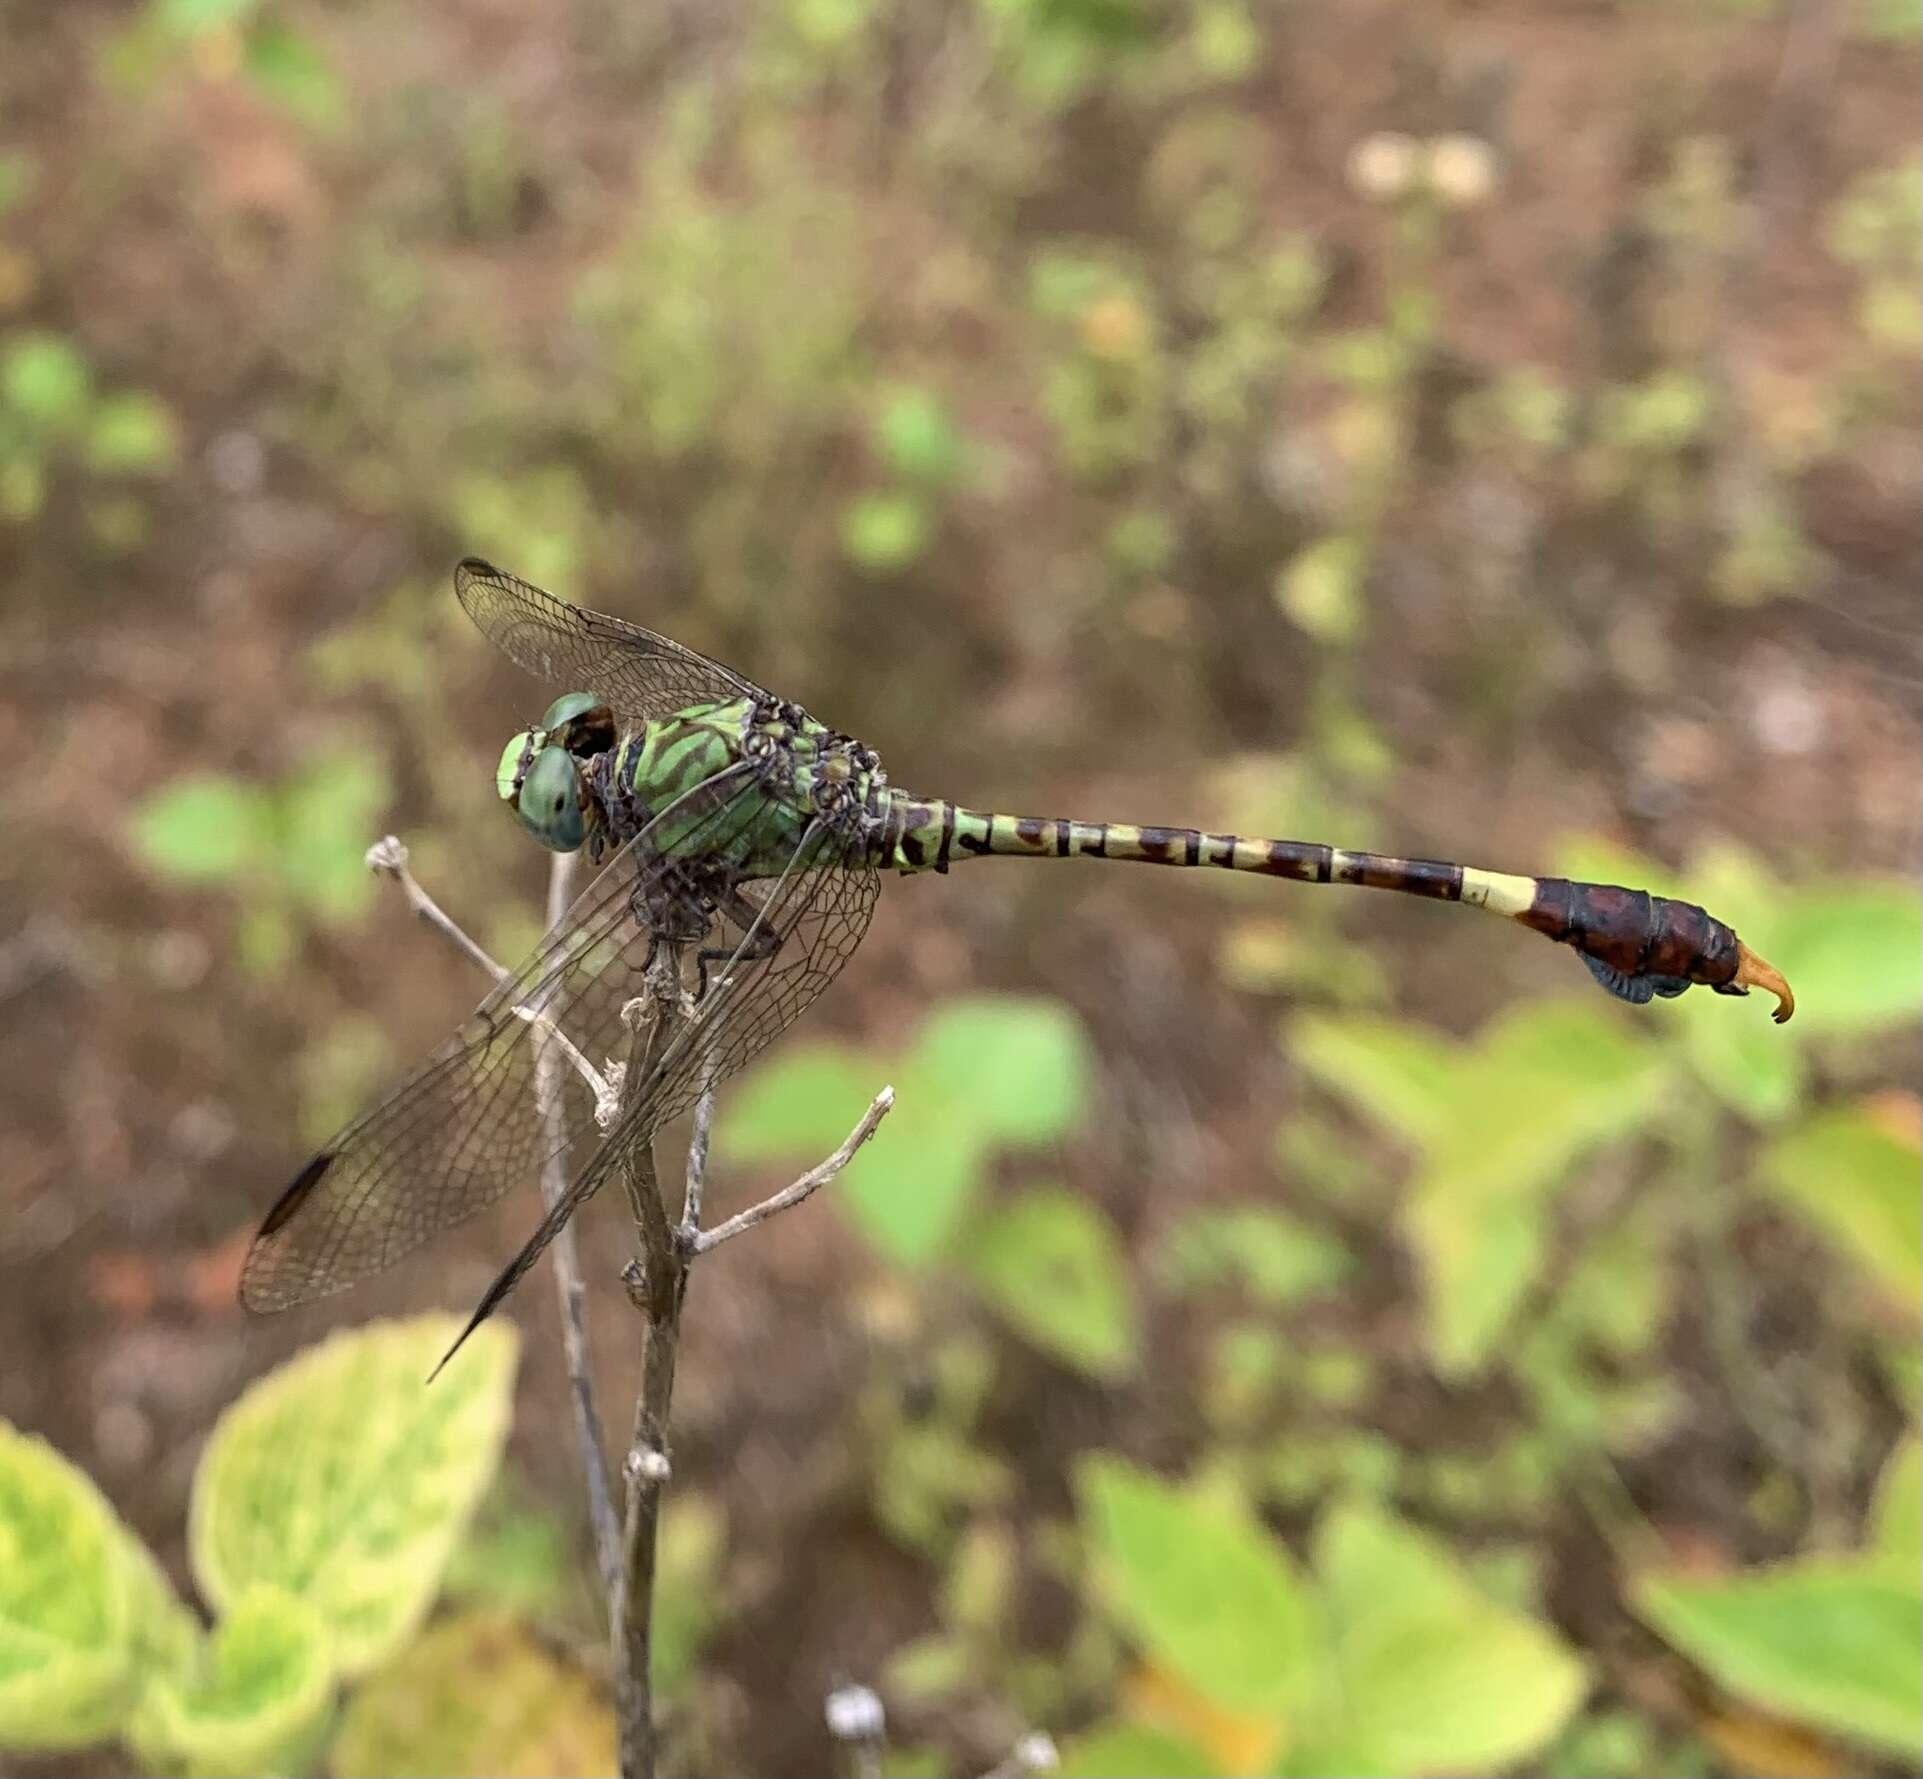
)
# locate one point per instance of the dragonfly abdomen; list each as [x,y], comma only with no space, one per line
[1638,946]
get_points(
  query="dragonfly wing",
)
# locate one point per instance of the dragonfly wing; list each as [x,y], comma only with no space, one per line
[815,913]
[643,675]
[467,1126]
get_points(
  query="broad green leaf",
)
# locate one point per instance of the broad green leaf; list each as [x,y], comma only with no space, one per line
[1397,1074]
[259,1701]
[186,18]
[45,380]
[1051,1266]
[1433,1677]
[291,70]
[475,1696]
[1321,588]
[203,828]
[1583,1042]
[1019,1067]
[1896,1523]
[1834,1644]
[911,1187]
[1130,1750]
[1854,954]
[132,434]
[886,532]
[1479,1257]
[1855,1178]
[1751,1064]
[1273,1256]
[346,1479]
[1199,1585]
[918,437]
[66,1602]
[688,1600]
[799,1105]
[326,821]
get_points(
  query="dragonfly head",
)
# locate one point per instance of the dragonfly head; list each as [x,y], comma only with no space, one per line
[539,776]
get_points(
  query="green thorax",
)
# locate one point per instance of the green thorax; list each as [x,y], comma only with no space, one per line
[688,773]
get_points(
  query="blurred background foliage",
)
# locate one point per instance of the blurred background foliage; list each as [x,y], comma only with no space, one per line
[1272,1334]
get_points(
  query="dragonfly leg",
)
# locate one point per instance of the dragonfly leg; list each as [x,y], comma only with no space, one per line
[759,941]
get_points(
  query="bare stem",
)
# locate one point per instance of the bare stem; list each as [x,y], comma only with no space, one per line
[700,1241]
[570,1293]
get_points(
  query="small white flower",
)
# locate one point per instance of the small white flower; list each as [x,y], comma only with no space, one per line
[1462,169]
[855,1714]
[1384,166]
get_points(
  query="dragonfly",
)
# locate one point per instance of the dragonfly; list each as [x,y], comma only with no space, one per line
[744,842]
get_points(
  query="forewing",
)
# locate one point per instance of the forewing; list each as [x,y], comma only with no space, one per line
[818,909]
[641,674]
[467,1126]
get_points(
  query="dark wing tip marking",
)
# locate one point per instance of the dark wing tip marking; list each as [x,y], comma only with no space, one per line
[291,1200]
[257,1290]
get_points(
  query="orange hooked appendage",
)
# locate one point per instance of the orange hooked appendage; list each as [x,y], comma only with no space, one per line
[1755,972]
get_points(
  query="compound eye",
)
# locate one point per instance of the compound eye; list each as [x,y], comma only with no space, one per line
[581,723]
[550,804]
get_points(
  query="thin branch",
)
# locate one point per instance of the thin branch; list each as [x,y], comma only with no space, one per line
[701,1241]
[655,1283]
[569,1291]
[389,858]
[697,1164]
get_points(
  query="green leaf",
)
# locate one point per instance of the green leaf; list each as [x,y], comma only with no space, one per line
[1479,1257]
[886,532]
[1051,1266]
[1854,1177]
[1199,1585]
[259,1702]
[1833,1644]
[910,1189]
[1128,1750]
[203,828]
[801,1104]
[67,1602]
[346,1479]
[1019,1067]
[44,378]
[1274,1257]
[1750,1064]
[132,434]
[187,18]
[1321,588]
[1896,1521]
[689,1599]
[918,437]
[1399,1075]
[294,74]
[1434,1677]
[326,822]
[475,1696]
[1854,954]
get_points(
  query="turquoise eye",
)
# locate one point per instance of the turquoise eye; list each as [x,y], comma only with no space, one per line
[517,753]
[550,801]
[568,706]
[581,723]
